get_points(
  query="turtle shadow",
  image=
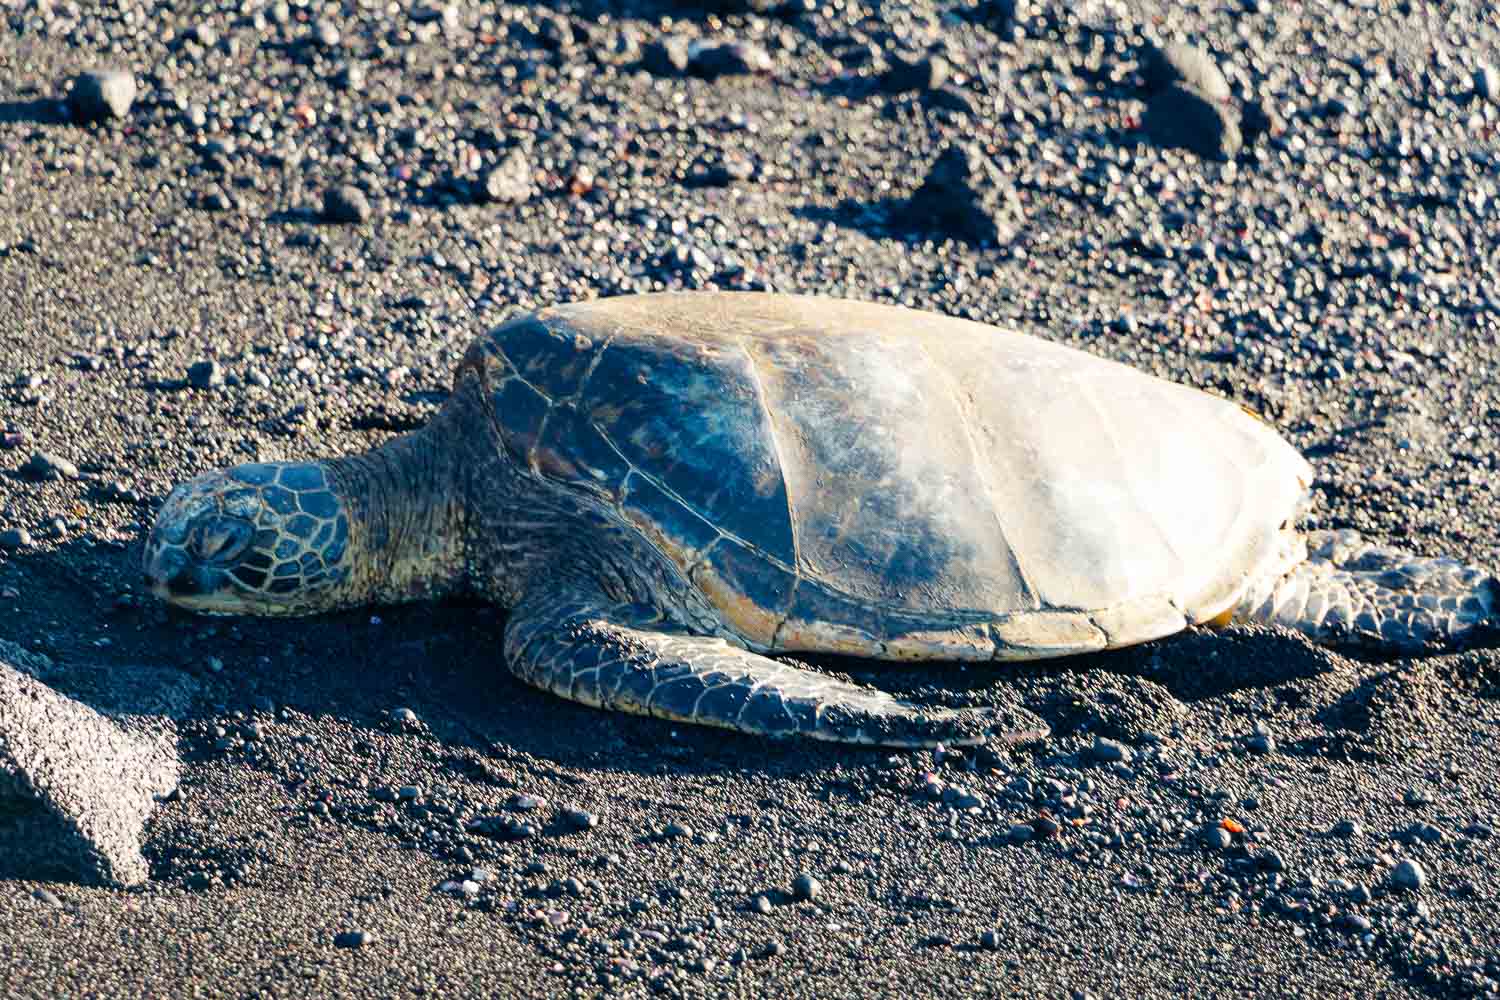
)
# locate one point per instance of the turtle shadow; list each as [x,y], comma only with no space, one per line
[120,651]
[1131,693]
[341,678]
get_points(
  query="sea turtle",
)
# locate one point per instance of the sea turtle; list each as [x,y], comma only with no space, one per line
[668,490]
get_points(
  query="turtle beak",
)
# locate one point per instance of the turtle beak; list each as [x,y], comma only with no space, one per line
[173,575]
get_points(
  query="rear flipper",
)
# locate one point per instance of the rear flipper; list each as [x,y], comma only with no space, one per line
[1351,590]
[617,657]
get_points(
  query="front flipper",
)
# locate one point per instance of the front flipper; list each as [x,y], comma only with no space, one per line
[623,657]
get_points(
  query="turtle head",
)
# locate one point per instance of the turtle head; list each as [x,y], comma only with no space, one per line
[266,538]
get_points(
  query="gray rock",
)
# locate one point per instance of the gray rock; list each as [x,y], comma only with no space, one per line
[45,466]
[1188,65]
[353,939]
[964,196]
[206,375]
[580,819]
[1110,751]
[510,182]
[101,94]
[1261,741]
[351,76]
[216,199]
[15,538]
[806,887]
[919,73]
[1409,875]
[447,15]
[1045,827]
[1487,83]
[1216,837]
[325,34]
[1356,923]
[1003,17]
[1416,797]
[1180,117]
[734,58]
[75,787]
[668,56]
[346,203]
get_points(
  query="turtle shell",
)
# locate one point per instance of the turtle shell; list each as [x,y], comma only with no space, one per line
[858,478]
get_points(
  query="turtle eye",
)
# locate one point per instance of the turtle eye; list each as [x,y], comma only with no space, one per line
[221,539]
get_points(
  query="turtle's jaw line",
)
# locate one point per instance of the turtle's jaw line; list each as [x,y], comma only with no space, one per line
[221,604]
[184,590]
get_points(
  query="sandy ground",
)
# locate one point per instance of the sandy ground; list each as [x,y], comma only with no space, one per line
[1350,293]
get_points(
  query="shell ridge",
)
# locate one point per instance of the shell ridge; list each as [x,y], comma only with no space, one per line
[655,481]
[1124,463]
[965,417]
[776,449]
[593,365]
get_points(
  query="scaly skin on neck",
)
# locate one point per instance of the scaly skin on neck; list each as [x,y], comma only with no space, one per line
[407,519]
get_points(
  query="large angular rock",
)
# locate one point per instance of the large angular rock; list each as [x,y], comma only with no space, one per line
[1183,118]
[511,182]
[75,787]
[101,95]
[1184,65]
[965,196]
